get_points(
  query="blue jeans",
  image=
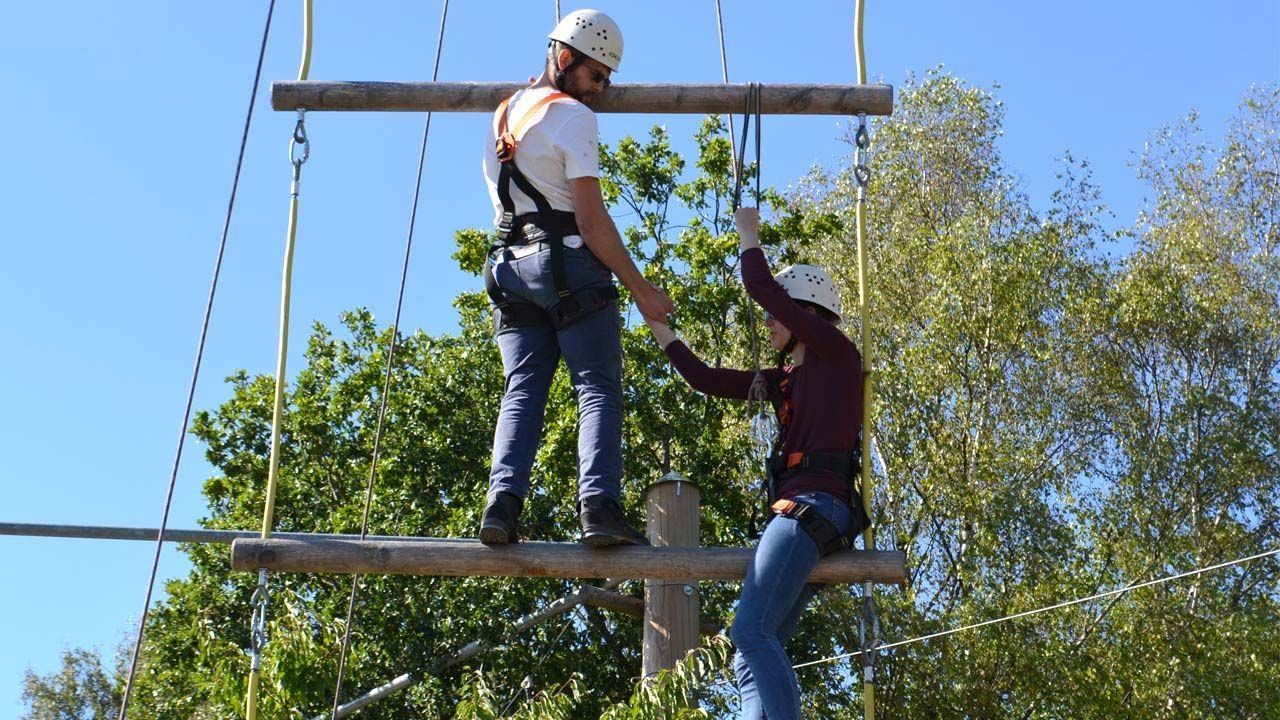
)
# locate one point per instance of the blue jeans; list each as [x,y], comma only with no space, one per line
[774,596]
[592,349]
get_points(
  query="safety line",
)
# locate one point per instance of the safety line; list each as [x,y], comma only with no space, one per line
[1069,603]
[195,373]
[261,594]
[869,625]
[386,386]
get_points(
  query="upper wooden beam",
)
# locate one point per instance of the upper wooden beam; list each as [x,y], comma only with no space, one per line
[431,556]
[706,99]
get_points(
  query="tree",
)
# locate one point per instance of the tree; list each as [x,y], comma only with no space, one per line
[1053,423]
[81,690]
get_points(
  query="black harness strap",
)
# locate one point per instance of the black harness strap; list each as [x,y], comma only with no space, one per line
[824,534]
[549,226]
[844,464]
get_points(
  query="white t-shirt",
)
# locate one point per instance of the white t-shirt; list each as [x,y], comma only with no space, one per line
[561,145]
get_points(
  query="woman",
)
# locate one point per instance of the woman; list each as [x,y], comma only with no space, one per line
[815,506]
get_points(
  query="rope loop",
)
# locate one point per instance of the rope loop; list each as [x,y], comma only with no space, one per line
[739,160]
[764,427]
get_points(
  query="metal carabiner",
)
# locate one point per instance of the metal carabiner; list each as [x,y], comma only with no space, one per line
[299,140]
[862,138]
[258,636]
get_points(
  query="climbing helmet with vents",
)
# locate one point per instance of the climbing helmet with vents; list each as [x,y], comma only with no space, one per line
[593,34]
[809,283]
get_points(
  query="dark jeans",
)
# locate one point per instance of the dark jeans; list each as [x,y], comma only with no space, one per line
[774,596]
[592,350]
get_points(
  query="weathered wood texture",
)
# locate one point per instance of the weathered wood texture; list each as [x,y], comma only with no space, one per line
[432,556]
[622,98]
[670,606]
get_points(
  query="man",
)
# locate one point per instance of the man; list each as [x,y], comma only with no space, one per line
[550,281]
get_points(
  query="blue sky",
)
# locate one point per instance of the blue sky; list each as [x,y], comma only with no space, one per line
[121,123]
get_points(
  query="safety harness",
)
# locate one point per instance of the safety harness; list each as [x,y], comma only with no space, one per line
[783,467]
[547,225]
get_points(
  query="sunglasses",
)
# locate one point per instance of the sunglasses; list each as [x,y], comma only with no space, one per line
[599,77]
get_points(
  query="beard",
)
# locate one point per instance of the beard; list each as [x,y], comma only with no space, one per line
[580,90]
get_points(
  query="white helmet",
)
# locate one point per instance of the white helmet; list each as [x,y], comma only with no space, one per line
[810,284]
[593,34]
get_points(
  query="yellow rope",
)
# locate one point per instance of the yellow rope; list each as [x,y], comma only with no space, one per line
[277,413]
[868,535]
[286,291]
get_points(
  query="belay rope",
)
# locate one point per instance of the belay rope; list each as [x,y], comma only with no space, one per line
[299,153]
[763,425]
[869,619]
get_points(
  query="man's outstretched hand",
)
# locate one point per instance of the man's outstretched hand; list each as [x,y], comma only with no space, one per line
[653,302]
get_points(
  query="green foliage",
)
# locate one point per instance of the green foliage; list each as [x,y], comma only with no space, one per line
[666,696]
[1052,422]
[81,690]
[479,702]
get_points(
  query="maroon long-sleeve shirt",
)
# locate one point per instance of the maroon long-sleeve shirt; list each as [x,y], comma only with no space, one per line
[825,391]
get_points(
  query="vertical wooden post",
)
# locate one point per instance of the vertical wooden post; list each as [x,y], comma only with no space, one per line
[670,606]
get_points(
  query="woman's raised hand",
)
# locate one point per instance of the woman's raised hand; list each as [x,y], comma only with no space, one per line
[747,220]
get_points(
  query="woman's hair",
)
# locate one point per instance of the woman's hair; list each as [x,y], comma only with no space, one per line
[823,313]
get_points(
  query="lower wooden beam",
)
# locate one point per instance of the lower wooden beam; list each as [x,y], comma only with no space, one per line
[658,99]
[431,556]
[632,606]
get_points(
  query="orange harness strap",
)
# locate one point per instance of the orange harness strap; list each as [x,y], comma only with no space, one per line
[507,141]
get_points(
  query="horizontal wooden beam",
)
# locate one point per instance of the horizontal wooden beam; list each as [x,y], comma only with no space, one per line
[706,99]
[430,556]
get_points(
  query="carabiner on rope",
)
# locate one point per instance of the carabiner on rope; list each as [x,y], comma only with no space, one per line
[861,141]
[258,637]
[300,146]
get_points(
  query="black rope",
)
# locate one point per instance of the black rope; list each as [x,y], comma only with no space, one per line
[195,373]
[386,385]
[759,129]
[739,162]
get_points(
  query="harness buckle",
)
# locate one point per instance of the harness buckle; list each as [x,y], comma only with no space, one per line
[506,226]
[505,148]
[532,233]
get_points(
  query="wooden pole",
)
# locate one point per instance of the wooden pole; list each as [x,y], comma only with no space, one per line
[670,605]
[433,556]
[704,99]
